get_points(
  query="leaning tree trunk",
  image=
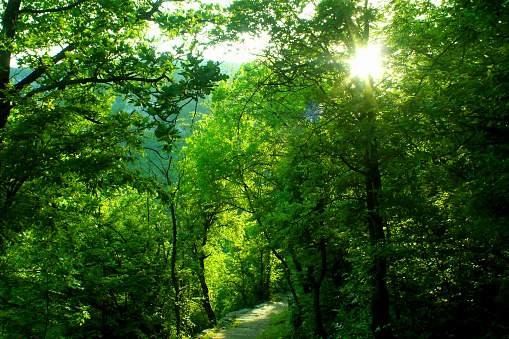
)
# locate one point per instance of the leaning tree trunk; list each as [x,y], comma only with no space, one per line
[298,319]
[205,290]
[200,258]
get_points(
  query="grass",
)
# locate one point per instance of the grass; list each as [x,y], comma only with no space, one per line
[279,328]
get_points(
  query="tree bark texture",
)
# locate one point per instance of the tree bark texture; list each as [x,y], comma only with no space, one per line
[380,303]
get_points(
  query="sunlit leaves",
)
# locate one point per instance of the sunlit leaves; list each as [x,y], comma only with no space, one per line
[100,254]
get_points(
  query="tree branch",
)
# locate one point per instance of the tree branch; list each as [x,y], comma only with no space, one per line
[351,167]
[52,10]
[9,303]
[95,80]
[155,8]
[40,70]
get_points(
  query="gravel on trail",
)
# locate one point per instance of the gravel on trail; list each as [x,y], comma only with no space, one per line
[251,322]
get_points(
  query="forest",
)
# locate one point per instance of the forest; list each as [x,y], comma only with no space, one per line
[146,193]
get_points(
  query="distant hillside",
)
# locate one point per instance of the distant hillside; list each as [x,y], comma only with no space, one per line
[187,112]
[156,160]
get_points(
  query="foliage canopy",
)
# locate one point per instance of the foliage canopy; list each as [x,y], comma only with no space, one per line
[378,206]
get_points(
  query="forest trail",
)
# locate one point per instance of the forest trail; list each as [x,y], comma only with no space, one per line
[251,322]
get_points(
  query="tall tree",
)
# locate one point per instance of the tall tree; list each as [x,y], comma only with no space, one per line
[313,53]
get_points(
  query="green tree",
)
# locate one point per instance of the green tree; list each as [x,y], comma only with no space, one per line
[66,160]
[312,53]
[448,90]
[101,271]
[71,60]
[205,196]
[418,155]
[251,151]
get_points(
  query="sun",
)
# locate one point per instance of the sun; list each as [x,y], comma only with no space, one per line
[366,62]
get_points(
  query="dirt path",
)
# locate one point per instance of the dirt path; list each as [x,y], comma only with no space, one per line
[252,321]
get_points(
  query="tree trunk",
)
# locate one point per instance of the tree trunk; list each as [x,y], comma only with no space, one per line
[380,303]
[200,258]
[265,270]
[288,277]
[205,291]
[317,283]
[174,278]
[297,323]
[304,282]
[10,17]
